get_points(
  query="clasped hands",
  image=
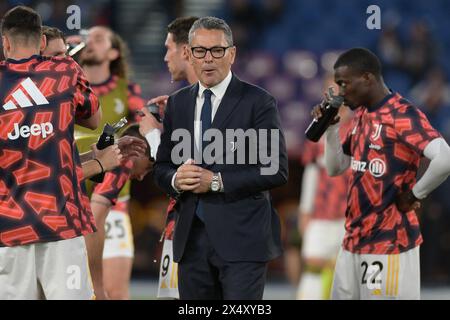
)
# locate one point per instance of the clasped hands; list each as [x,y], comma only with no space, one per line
[191,177]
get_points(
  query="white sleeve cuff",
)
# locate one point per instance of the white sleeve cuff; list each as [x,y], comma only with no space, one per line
[438,170]
[154,139]
[222,189]
[173,182]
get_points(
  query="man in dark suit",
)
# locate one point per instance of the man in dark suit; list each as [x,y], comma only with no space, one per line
[227,229]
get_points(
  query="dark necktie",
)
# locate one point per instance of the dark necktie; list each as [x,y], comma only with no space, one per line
[205,118]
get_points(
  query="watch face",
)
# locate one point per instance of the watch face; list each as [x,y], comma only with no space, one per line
[215,186]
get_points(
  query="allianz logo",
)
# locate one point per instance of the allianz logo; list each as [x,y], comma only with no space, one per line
[42,129]
[376,167]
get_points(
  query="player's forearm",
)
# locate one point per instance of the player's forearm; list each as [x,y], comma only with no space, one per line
[92,122]
[438,170]
[336,162]
[89,155]
[90,168]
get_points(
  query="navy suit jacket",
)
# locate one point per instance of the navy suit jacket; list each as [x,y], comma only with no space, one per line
[241,222]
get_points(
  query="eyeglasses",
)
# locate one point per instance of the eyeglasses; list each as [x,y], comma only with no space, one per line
[216,52]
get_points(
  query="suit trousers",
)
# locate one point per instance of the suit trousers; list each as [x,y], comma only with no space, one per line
[204,275]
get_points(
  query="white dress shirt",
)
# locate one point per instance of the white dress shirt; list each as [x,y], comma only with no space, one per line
[218,91]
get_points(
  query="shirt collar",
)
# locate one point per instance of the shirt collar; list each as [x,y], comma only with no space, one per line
[219,89]
[382,102]
[34,56]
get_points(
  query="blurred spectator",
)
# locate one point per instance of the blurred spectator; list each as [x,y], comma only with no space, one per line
[172,8]
[420,52]
[273,10]
[432,94]
[249,19]
[389,48]
[244,22]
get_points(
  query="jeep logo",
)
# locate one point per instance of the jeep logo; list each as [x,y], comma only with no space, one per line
[43,129]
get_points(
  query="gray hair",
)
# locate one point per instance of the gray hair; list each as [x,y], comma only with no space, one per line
[212,23]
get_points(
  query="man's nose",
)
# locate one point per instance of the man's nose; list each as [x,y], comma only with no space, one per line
[208,56]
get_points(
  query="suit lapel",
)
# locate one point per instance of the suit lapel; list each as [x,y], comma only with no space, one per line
[191,113]
[229,102]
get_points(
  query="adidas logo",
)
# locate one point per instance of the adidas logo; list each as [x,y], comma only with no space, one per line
[22,99]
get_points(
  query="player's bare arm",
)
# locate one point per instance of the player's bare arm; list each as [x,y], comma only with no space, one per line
[104,160]
[92,122]
[131,147]
[161,101]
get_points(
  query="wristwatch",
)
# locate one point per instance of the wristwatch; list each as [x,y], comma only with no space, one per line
[215,183]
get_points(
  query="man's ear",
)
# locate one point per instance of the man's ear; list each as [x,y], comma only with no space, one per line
[369,78]
[189,55]
[233,54]
[6,43]
[43,43]
[185,52]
